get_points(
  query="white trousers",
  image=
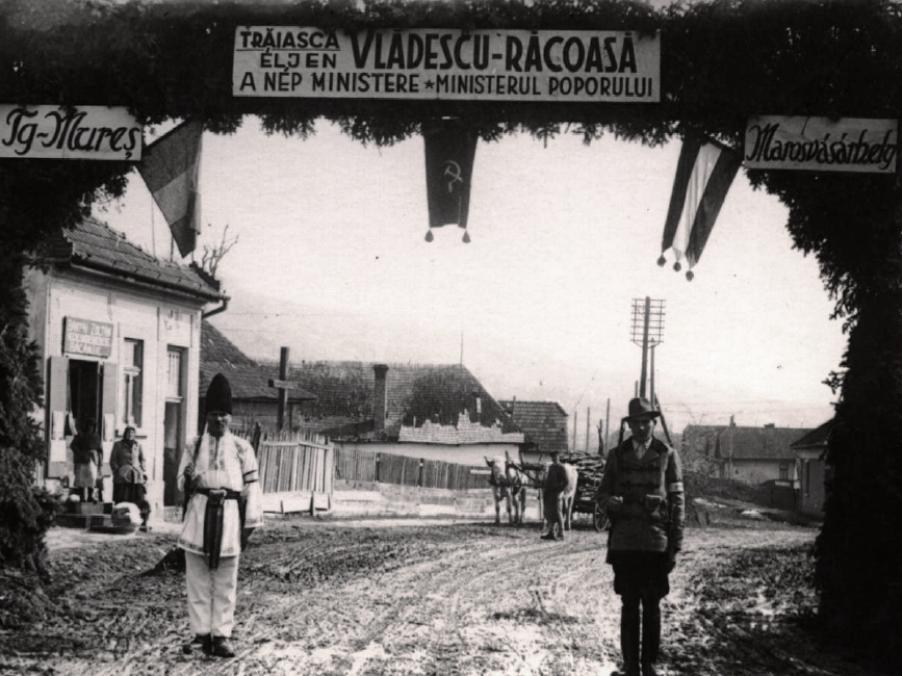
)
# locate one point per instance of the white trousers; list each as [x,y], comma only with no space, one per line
[211,594]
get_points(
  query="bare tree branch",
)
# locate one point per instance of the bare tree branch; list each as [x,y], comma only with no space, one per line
[213,255]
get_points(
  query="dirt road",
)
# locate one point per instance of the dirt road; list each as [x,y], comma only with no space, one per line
[354,599]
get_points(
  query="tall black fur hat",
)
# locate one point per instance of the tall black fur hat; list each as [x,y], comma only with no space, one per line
[219,395]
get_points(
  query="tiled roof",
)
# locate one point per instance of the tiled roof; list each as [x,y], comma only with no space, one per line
[816,438]
[744,443]
[343,390]
[415,393]
[248,379]
[215,347]
[544,422]
[96,245]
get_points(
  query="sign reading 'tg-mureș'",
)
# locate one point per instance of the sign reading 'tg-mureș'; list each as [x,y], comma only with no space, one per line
[440,63]
[69,132]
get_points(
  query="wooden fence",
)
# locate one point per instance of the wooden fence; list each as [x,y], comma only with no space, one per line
[297,471]
[355,464]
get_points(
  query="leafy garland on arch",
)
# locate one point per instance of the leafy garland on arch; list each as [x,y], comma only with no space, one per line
[721,62]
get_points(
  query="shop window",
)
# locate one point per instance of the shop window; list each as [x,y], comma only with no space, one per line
[784,471]
[133,381]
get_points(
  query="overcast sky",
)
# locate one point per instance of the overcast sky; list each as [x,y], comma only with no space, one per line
[331,261]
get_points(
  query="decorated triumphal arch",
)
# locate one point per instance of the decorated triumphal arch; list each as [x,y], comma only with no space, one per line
[805,94]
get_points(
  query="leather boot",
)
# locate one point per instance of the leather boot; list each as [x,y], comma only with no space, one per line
[629,636]
[221,647]
[199,642]
[651,635]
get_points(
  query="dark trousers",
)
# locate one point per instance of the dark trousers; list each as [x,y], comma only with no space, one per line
[553,513]
[629,630]
[640,578]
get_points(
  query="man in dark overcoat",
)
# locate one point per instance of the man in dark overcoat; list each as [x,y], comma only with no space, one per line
[642,491]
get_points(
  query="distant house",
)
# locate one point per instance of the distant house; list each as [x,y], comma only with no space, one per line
[752,455]
[253,400]
[437,412]
[811,450]
[545,425]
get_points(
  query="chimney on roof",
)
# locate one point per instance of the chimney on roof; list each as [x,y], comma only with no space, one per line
[478,404]
[769,426]
[732,421]
[380,397]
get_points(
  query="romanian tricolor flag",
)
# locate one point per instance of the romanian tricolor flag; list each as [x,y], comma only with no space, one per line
[450,150]
[170,168]
[704,173]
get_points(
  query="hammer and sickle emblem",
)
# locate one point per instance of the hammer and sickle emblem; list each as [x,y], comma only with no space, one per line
[452,171]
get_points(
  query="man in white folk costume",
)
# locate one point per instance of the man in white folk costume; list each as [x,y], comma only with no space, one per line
[218,473]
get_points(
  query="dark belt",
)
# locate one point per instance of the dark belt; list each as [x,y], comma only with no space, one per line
[228,494]
[213,518]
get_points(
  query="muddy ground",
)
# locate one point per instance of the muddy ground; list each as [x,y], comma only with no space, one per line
[329,597]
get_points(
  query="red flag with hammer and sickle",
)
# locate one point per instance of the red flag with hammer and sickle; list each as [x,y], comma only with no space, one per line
[450,149]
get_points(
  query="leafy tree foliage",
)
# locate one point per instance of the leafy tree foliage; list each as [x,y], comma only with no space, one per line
[721,62]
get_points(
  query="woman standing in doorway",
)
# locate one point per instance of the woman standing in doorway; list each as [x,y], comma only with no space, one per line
[129,473]
[87,455]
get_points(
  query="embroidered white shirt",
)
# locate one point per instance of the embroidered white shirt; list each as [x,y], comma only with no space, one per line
[226,462]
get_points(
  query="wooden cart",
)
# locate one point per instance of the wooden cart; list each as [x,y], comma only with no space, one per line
[590,469]
[589,472]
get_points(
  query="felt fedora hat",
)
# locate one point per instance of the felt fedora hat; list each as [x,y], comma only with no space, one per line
[640,408]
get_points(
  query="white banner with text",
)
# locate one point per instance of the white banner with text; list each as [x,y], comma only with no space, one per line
[820,144]
[445,63]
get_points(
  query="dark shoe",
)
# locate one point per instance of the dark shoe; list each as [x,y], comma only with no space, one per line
[547,536]
[143,528]
[221,647]
[649,670]
[199,642]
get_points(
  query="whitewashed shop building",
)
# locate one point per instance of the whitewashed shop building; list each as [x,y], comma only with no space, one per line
[118,332]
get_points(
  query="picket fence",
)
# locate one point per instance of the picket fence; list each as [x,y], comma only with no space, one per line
[292,462]
[356,464]
[298,470]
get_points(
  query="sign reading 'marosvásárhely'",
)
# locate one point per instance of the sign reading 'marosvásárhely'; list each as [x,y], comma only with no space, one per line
[77,132]
[438,63]
[821,144]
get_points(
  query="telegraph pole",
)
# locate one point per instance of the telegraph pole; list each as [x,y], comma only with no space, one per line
[575,419]
[647,329]
[588,426]
[651,379]
[607,425]
[644,347]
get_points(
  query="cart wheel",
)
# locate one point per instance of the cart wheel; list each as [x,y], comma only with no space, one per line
[599,519]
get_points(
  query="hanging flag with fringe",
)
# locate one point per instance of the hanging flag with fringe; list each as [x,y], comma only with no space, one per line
[171,168]
[450,149]
[704,173]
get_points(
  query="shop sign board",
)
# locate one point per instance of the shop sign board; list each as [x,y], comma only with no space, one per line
[69,132]
[448,64]
[85,336]
[821,144]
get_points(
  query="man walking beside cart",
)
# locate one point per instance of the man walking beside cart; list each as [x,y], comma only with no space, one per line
[642,491]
